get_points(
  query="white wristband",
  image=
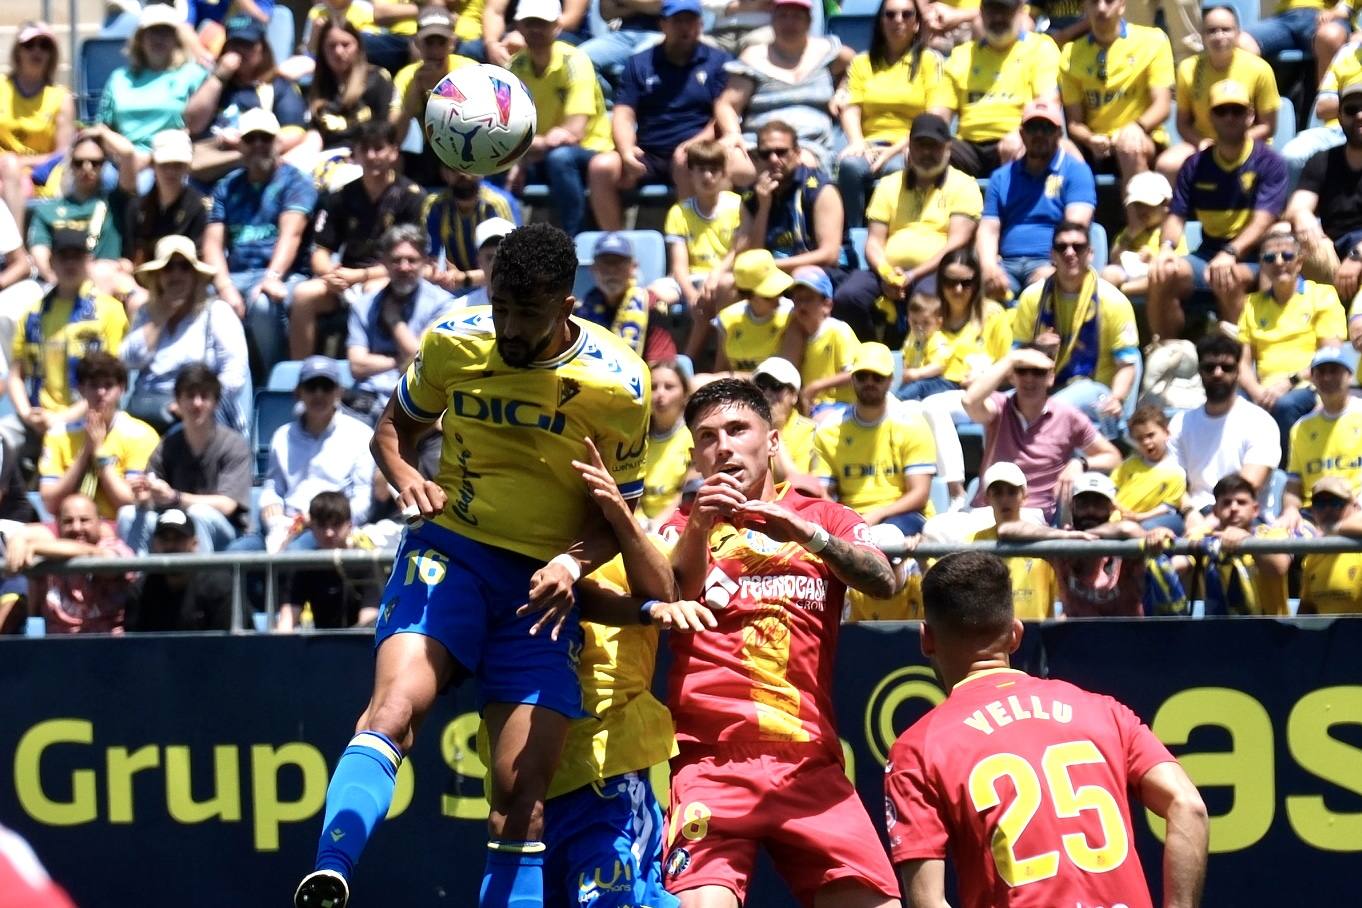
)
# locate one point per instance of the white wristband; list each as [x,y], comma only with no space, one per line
[569,564]
[819,540]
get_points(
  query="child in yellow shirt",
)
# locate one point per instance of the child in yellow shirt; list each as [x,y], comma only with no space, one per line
[821,346]
[1150,484]
[926,349]
[1148,196]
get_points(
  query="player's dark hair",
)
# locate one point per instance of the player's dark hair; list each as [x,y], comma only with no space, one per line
[376,133]
[723,393]
[328,509]
[101,365]
[536,259]
[197,377]
[1233,484]
[1217,344]
[1148,414]
[968,595]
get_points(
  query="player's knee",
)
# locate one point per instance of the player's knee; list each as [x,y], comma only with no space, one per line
[393,716]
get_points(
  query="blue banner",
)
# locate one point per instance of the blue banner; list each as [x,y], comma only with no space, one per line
[174,771]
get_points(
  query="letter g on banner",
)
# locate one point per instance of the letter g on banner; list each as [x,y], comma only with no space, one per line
[887,712]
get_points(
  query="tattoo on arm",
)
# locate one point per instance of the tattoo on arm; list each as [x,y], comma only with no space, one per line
[860,568]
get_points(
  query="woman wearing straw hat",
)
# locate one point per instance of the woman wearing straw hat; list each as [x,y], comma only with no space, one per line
[179,325]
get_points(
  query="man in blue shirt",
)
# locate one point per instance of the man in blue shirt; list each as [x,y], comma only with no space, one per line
[385,327]
[664,103]
[1027,199]
[255,235]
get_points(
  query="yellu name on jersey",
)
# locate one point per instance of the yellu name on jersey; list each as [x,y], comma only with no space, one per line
[1005,712]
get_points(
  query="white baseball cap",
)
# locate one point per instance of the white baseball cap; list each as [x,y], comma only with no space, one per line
[782,370]
[1004,471]
[547,10]
[258,119]
[1096,484]
[1148,188]
[491,229]
[172,146]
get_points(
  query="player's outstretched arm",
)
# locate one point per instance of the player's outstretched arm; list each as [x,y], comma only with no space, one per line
[923,883]
[860,567]
[649,571]
[394,450]
[1168,791]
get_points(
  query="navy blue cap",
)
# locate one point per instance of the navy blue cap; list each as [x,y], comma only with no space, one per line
[613,244]
[244,28]
[319,367]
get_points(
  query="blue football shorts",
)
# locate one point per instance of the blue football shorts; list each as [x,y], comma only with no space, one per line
[605,846]
[465,595]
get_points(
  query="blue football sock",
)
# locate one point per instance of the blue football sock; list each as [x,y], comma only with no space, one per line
[513,876]
[359,795]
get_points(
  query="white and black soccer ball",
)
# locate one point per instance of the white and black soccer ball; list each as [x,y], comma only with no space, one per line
[480,119]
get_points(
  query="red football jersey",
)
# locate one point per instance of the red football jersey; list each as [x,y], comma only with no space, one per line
[765,673]
[1025,781]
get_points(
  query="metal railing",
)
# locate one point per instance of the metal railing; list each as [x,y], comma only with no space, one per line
[241,563]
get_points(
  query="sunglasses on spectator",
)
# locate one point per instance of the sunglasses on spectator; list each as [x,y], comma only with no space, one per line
[961,282]
[1212,368]
[252,137]
[1272,258]
[87,162]
[1071,247]
[318,384]
[773,152]
[1040,127]
[906,15]
[1350,110]
[1031,371]
[1229,110]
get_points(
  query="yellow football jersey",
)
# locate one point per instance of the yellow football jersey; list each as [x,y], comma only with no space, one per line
[665,469]
[28,124]
[797,436]
[1112,84]
[1332,584]
[1284,338]
[747,339]
[510,435]
[891,97]
[129,442]
[919,216]
[54,334]
[932,350]
[1034,587]
[1269,590]
[830,352]
[990,86]
[1323,445]
[906,605]
[415,106]
[1196,75]
[1142,486]
[627,728]
[974,347]
[707,239]
[567,88]
[867,465]
[1118,337]
[1148,240]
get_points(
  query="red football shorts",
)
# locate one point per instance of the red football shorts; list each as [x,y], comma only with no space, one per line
[794,799]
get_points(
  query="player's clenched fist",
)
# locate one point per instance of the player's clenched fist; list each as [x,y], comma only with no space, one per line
[421,498]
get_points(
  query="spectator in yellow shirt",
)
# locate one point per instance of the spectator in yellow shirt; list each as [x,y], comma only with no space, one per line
[1326,443]
[95,456]
[1281,328]
[917,217]
[821,346]
[699,231]
[1117,86]
[667,461]
[794,460]
[751,330]
[572,124]
[413,83]
[1234,583]
[887,87]
[992,80]
[1222,59]
[1329,582]
[1317,28]
[1150,484]
[1148,196]
[927,350]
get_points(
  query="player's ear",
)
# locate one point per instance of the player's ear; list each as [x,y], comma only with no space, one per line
[1018,629]
[926,640]
[773,441]
[569,306]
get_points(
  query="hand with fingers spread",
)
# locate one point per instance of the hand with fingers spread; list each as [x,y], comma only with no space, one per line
[774,521]
[685,617]
[551,593]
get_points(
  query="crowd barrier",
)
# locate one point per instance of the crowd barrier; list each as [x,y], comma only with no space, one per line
[191,770]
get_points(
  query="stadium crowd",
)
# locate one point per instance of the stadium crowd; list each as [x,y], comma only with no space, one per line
[902,240]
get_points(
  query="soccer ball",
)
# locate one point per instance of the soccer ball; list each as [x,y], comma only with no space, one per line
[480,119]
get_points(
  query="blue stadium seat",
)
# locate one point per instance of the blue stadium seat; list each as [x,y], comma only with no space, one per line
[1192,232]
[858,238]
[650,252]
[539,194]
[1098,237]
[99,57]
[859,8]
[941,495]
[272,410]
[284,375]
[1286,126]
[855,31]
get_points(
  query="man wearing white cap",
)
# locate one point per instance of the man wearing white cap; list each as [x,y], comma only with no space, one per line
[794,460]
[487,238]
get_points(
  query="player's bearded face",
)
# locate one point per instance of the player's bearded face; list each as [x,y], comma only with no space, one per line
[1091,511]
[524,330]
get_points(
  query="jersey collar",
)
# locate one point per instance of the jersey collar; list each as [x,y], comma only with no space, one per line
[567,355]
[984,674]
